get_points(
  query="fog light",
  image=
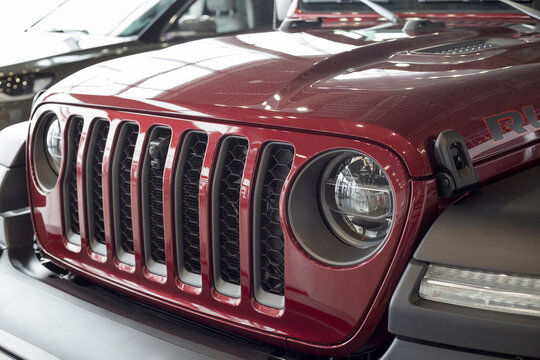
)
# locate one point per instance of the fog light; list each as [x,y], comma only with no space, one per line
[482,290]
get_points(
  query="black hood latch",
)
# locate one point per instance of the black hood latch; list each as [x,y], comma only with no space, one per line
[455,174]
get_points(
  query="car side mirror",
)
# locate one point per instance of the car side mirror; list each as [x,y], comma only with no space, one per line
[192,26]
[197,25]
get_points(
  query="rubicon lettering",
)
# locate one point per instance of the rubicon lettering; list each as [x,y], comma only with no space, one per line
[513,120]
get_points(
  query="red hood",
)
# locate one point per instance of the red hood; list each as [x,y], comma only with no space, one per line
[372,85]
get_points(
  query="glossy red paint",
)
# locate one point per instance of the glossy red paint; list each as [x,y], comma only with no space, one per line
[381,91]
[422,211]
[318,90]
[312,313]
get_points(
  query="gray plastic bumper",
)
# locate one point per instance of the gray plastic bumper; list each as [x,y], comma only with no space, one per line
[43,316]
[403,349]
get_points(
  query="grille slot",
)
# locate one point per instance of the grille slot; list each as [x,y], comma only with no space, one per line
[188,173]
[70,182]
[121,189]
[275,165]
[96,224]
[225,217]
[152,197]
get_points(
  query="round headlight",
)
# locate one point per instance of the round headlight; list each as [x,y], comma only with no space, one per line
[356,200]
[54,144]
[341,207]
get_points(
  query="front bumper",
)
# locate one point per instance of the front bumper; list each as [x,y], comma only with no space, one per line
[44,315]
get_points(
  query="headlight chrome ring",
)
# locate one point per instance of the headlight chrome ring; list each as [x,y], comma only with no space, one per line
[341,207]
[54,144]
[47,150]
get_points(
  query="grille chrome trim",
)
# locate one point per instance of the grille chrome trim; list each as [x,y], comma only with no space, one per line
[186,204]
[94,188]
[153,166]
[268,238]
[229,171]
[121,192]
[71,203]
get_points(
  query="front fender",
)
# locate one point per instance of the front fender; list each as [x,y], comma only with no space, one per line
[15,221]
[495,230]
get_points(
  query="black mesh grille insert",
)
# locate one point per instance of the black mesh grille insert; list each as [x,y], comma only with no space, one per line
[124,151]
[99,138]
[188,177]
[277,164]
[157,153]
[233,152]
[75,131]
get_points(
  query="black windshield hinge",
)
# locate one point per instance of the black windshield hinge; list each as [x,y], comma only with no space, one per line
[455,173]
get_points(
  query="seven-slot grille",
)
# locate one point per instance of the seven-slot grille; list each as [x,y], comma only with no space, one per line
[229,163]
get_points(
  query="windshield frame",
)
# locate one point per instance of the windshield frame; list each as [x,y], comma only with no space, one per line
[356,7]
[339,18]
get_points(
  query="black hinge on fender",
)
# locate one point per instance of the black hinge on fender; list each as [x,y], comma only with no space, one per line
[456,173]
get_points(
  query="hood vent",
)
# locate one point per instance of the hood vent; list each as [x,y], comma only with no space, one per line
[466,47]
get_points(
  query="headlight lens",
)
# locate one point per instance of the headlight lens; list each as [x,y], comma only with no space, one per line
[357,200]
[54,144]
[21,85]
[47,151]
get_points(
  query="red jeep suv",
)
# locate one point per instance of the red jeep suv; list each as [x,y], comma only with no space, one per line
[360,183]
